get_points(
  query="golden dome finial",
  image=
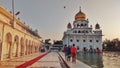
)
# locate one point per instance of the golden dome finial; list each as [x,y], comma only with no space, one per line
[80,15]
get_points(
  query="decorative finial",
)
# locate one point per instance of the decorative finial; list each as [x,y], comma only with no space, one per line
[80,8]
[87,19]
[91,26]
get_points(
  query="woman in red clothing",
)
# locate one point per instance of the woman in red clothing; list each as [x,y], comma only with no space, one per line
[73,52]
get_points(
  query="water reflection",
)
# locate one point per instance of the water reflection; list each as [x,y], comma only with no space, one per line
[111,59]
[105,60]
[92,59]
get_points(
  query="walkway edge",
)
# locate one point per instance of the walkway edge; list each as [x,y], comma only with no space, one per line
[73,65]
[24,65]
[64,61]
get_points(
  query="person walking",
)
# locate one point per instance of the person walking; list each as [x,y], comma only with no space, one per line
[68,53]
[74,52]
[65,51]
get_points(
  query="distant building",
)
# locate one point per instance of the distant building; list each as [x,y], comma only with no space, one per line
[16,39]
[83,35]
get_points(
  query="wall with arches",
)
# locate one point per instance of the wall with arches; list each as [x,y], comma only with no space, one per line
[16,41]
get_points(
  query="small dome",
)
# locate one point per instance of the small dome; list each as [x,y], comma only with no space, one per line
[97,26]
[80,16]
[69,26]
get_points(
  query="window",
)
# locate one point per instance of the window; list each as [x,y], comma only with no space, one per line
[90,40]
[83,40]
[78,48]
[97,40]
[75,31]
[81,24]
[77,40]
[83,31]
[79,31]
[86,31]
[90,31]
[78,25]
[71,40]
[85,24]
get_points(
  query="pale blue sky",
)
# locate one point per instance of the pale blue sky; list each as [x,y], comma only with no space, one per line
[51,19]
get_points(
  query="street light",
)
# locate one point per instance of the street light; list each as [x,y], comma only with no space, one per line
[13,13]
[13,9]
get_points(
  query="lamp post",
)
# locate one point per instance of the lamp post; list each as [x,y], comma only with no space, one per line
[13,10]
[14,14]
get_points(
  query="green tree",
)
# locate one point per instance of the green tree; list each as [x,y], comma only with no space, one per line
[111,45]
[47,41]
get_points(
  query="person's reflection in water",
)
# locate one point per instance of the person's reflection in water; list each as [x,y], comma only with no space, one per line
[92,59]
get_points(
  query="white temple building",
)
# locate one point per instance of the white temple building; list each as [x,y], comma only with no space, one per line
[83,35]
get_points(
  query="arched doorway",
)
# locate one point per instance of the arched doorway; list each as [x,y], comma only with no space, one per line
[0,48]
[8,45]
[98,50]
[91,49]
[22,47]
[84,49]
[35,49]
[29,47]
[26,52]
[16,46]
[32,47]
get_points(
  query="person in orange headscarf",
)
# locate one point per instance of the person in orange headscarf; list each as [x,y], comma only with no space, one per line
[73,52]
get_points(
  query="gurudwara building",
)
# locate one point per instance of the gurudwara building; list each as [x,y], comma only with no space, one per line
[16,39]
[83,35]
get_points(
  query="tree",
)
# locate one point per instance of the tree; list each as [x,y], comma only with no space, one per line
[58,42]
[47,41]
[112,45]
